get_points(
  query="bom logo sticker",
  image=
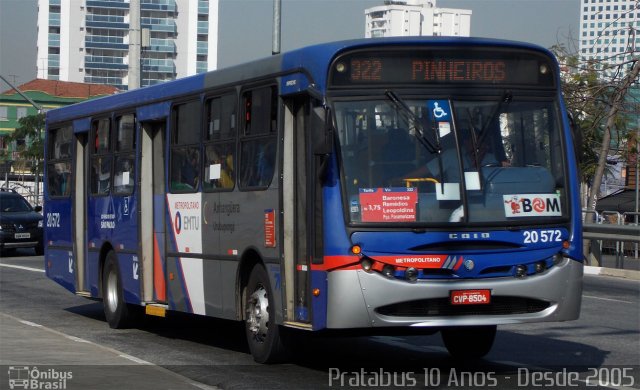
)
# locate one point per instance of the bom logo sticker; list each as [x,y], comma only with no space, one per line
[532,205]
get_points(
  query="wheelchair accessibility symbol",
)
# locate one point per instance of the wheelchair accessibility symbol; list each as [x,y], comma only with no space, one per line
[439,109]
[438,112]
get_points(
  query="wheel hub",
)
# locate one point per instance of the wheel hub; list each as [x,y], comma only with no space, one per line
[258,314]
[112,291]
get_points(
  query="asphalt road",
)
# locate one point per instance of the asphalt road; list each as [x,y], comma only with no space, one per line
[600,350]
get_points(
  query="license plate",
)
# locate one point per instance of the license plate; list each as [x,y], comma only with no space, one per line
[22,235]
[470,297]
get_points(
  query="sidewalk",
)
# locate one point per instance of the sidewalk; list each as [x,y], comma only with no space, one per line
[609,267]
[55,360]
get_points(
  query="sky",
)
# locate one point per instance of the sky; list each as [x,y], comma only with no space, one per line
[245,26]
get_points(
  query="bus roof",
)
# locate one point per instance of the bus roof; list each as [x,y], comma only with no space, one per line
[312,60]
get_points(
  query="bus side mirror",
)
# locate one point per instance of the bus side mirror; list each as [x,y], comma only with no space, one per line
[322,131]
[576,134]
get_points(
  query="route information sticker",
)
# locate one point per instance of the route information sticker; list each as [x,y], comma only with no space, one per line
[396,204]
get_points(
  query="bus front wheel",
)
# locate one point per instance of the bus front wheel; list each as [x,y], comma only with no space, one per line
[263,334]
[469,342]
[115,309]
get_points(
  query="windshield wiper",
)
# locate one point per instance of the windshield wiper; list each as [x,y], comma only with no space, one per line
[506,98]
[418,129]
[478,138]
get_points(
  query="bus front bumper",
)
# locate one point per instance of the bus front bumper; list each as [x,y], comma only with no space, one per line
[358,299]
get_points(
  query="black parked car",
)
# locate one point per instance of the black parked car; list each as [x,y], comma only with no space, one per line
[20,224]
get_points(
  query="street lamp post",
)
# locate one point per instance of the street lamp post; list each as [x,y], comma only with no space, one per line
[276,26]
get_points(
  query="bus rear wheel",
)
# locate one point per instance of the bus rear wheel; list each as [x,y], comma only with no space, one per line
[115,309]
[263,334]
[469,342]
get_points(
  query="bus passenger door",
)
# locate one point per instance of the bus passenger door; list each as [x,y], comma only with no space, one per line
[152,208]
[79,214]
[298,203]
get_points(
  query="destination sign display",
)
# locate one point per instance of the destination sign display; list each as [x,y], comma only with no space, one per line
[438,66]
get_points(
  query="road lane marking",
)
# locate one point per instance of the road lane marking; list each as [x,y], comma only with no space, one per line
[136,360]
[31,324]
[608,299]
[22,267]
[77,339]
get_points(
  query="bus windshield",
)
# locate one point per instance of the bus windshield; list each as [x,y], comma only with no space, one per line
[446,160]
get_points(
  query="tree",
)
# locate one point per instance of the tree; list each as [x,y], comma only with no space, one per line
[30,130]
[595,94]
[584,96]
[610,124]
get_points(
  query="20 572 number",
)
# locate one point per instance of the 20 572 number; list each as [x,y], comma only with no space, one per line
[53,220]
[535,236]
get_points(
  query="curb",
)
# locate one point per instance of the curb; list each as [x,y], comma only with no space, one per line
[615,272]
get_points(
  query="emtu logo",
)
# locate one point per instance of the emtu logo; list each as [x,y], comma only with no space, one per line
[178,222]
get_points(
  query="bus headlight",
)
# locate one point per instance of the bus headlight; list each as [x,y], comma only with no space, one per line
[541,266]
[388,271]
[521,271]
[366,265]
[411,274]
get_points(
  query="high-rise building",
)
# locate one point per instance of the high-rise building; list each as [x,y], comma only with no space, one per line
[415,18]
[609,30]
[88,40]
[610,36]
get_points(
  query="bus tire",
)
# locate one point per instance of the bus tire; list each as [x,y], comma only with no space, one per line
[263,334]
[115,309]
[469,342]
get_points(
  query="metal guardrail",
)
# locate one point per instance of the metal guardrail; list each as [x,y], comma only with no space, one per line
[626,233]
[612,227]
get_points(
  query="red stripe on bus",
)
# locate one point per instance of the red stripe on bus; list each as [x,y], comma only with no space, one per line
[333,262]
[158,272]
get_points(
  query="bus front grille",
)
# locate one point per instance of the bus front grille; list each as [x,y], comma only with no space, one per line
[438,307]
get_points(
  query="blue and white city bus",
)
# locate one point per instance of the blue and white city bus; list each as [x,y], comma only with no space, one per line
[418,184]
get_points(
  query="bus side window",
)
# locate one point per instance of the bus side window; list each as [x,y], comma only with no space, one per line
[258,143]
[59,165]
[185,165]
[58,179]
[124,173]
[220,143]
[101,175]
[101,159]
[259,159]
[124,176]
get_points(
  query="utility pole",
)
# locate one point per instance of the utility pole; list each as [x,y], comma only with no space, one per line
[134,44]
[276,27]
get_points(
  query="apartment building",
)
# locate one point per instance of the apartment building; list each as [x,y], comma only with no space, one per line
[416,18]
[609,30]
[88,40]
